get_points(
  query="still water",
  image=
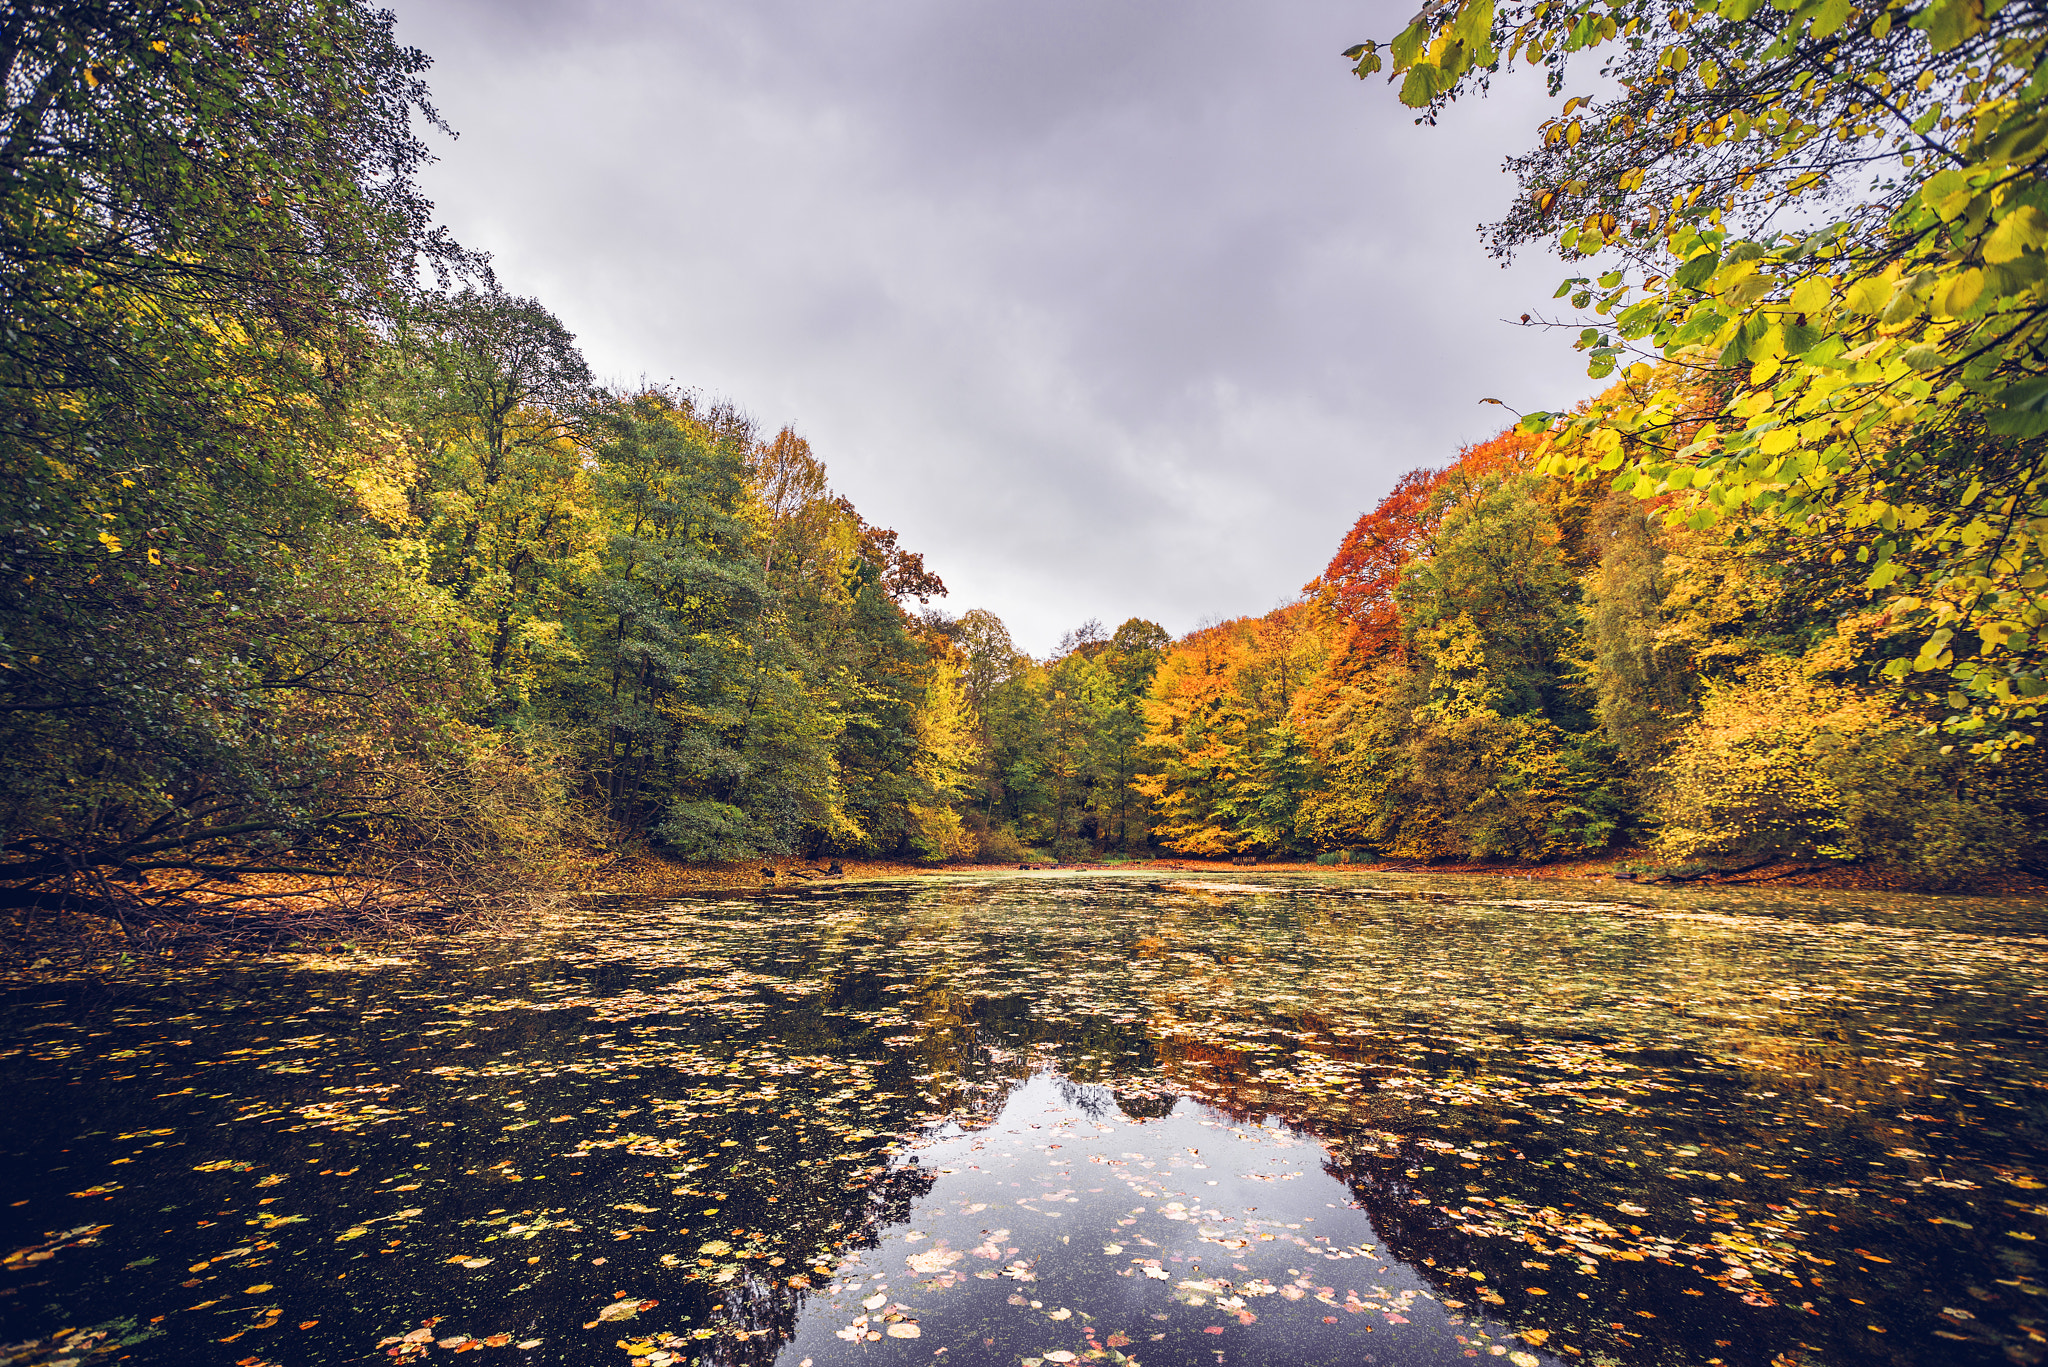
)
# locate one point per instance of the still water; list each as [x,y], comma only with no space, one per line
[1035,1120]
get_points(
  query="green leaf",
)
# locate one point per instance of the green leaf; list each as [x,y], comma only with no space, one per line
[1831,17]
[1421,85]
[1697,271]
[1948,23]
[2025,411]
[1407,45]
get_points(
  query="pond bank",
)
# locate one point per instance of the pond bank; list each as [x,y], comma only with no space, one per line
[343,911]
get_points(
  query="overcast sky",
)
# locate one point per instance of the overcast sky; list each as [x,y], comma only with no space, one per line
[1110,308]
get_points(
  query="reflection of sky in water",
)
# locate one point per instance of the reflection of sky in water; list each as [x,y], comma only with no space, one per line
[1065,1226]
[1442,1119]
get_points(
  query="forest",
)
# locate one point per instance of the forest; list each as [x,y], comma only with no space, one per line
[320,551]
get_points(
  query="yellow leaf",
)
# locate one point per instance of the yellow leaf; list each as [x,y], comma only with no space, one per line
[2020,229]
[1605,445]
[1812,294]
[1960,293]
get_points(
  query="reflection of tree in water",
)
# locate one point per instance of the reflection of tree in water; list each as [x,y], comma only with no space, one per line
[1422,1186]
[1411,1212]
[1090,1099]
[968,1055]
[1509,1199]
[759,1311]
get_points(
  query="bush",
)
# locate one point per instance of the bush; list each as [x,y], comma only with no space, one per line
[993,844]
[492,809]
[1780,764]
[938,834]
[701,831]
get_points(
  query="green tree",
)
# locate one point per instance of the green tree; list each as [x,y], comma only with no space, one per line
[205,221]
[502,484]
[708,735]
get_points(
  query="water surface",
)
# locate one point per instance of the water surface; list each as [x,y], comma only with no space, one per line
[1180,1120]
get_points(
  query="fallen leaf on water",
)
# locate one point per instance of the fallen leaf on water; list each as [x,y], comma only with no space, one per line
[903,1329]
[620,1310]
[257,1289]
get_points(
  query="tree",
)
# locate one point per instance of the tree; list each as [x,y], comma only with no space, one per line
[1133,662]
[1361,576]
[503,483]
[1862,367]
[709,732]
[205,221]
[1230,772]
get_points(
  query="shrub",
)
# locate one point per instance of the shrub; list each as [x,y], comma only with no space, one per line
[1777,763]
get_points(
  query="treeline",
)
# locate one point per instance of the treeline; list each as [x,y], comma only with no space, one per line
[1502,665]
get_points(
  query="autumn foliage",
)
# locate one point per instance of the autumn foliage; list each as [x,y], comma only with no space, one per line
[1359,582]
[1498,665]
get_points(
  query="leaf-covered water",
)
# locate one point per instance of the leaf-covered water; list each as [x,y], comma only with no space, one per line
[1036,1120]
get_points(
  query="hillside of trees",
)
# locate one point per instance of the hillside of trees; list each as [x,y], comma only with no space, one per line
[321,551]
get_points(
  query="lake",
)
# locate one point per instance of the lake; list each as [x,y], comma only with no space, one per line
[1181,1119]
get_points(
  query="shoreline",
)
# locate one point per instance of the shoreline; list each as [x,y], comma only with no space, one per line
[320,916]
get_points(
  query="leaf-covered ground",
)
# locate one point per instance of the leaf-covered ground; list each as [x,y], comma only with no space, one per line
[1171,1120]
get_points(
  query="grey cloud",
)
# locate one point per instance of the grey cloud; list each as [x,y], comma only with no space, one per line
[1109,309]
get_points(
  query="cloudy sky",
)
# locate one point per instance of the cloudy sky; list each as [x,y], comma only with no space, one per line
[1110,308]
